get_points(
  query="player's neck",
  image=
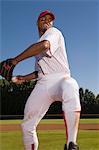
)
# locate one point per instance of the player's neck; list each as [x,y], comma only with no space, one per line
[41,33]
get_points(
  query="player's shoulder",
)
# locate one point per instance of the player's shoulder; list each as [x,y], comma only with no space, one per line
[54,29]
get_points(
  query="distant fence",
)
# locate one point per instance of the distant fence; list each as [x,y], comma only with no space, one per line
[48,116]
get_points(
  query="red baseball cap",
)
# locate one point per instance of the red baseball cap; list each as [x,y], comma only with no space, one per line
[42,14]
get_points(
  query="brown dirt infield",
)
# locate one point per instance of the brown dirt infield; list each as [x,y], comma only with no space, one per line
[17,127]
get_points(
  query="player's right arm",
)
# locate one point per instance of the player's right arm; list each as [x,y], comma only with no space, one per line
[23,78]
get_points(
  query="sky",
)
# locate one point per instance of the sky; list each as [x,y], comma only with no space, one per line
[78,20]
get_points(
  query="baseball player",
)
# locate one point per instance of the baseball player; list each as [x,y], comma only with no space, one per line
[54,84]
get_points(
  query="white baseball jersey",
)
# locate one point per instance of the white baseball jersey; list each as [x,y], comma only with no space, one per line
[53,60]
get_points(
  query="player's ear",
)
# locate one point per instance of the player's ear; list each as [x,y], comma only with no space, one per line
[37,23]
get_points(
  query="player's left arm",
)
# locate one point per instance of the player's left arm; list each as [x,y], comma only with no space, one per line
[7,66]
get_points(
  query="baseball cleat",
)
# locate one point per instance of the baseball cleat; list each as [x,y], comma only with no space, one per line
[65,147]
[73,146]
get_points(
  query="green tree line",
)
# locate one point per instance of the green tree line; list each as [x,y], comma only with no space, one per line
[13,98]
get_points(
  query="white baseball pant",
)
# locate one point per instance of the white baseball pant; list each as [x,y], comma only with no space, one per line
[50,88]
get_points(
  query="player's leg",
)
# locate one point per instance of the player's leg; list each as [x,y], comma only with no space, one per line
[72,122]
[71,108]
[36,107]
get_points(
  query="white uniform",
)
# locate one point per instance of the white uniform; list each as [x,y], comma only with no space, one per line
[54,84]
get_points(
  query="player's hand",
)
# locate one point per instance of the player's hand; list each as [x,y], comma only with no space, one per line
[18,79]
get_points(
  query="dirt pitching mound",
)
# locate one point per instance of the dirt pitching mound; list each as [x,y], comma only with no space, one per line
[16,127]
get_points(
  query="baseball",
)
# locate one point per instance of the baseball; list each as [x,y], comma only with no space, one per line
[14,79]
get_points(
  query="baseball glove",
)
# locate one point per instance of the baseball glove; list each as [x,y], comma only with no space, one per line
[6,69]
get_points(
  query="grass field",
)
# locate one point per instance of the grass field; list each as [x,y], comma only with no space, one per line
[50,139]
[50,121]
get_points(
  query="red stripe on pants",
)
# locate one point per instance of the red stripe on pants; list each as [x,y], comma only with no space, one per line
[65,127]
[32,146]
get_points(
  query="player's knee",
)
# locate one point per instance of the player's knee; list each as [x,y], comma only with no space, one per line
[70,89]
[28,128]
[29,134]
